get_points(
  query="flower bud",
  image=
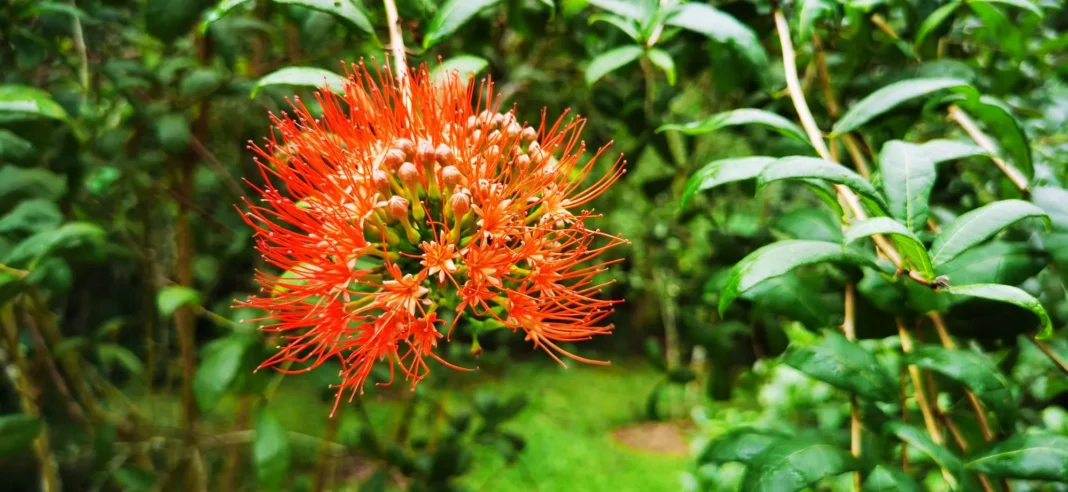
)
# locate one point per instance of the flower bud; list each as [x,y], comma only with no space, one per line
[451,176]
[494,136]
[425,153]
[393,158]
[380,180]
[398,206]
[443,154]
[472,122]
[523,161]
[460,203]
[406,146]
[529,134]
[512,131]
[476,135]
[493,153]
[498,120]
[408,174]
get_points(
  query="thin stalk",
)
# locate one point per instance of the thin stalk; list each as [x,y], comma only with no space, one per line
[396,45]
[947,342]
[972,129]
[1057,360]
[849,328]
[920,394]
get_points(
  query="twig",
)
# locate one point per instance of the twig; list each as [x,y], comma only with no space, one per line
[972,129]
[832,108]
[396,45]
[849,328]
[1061,364]
[921,396]
[947,342]
[207,155]
[813,130]
[83,54]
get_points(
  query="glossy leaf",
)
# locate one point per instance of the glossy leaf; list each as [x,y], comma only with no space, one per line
[451,16]
[884,478]
[995,262]
[68,239]
[270,450]
[172,297]
[911,247]
[978,225]
[793,464]
[907,178]
[628,26]
[662,60]
[1022,4]
[811,11]
[945,459]
[466,65]
[974,370]
[18,102]
[1005,128]
[798,167]
[219,366]
[778,258]
[302,76]
[1051,199]
[30,216]
[888,98]
[348,10]
[219,11]
[721,27]
[747,116]
[639,10]
[17,183]
[1011,295]
[942,150]
[844,365]
[935,19]
[789,296]
[809,223]
[611,61]
[721,172]
[1030,456]
[739,445]
[17,433]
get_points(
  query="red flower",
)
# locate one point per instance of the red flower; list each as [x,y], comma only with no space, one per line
[380,210]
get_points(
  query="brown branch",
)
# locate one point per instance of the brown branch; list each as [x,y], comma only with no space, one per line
[972,129]
[849,328]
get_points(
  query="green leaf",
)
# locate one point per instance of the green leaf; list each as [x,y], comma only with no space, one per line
[974,370]
[935,19]
[999,120]
[302,76]
[789,296]
[996,262]
[945,459]
[1052,199]
[173,133]
[31,216]
[348,10]
[172,297]
[747,116]
[20,102]
[18,183]
[168,20]
[452,15]
[888,98]
[1030,456]
[809,223]
[809,12]
[794,464]
[663,61]
[71,237]
[778,258]
[942,150]
[201,82]
[911,247]
[17,433]
[722,27]
[628,26]
[799,167]
[14,148]
[739,445]
[111,353]
[611,61]
[639,10]
[1023,4]
[221,361]
[467,65]
[844,365]
[270,450]
[219,11]
[908,176]
[979,225]
[886,479]
[1011,295]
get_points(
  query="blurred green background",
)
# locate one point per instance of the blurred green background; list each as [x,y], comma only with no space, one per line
[123,134]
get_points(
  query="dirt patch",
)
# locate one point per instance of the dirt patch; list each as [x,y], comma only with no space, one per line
[656,437]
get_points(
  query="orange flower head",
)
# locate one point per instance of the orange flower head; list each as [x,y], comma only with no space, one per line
[397,205]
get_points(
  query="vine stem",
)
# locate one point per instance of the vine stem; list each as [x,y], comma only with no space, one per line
[815,136]
[396,46]
[850,330]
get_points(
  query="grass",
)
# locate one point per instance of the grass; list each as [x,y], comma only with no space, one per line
[567,425]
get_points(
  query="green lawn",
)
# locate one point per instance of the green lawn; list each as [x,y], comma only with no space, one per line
[567,425]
